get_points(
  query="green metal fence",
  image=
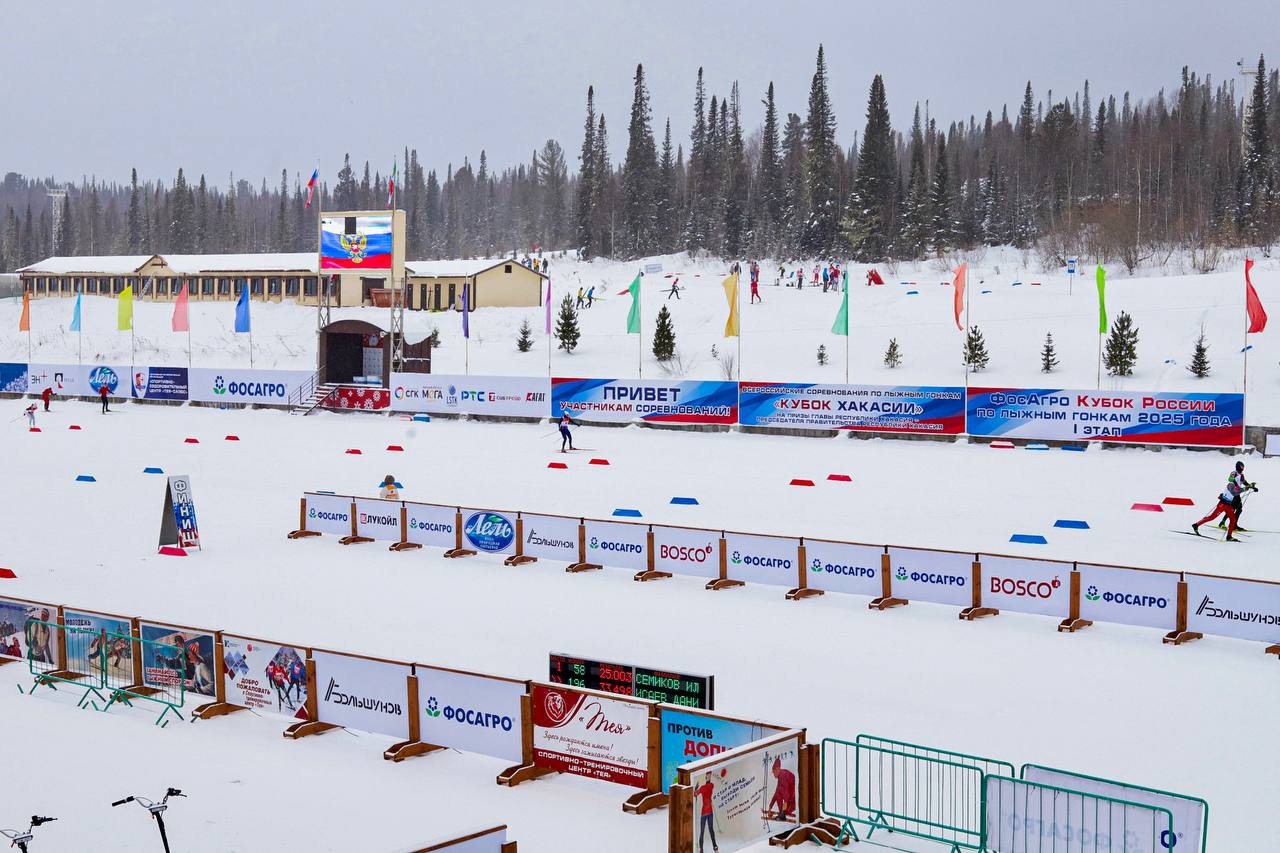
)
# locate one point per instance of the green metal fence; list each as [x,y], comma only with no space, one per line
[163,666]
[913,793]
[81,667]
[988,766]
[1029,817]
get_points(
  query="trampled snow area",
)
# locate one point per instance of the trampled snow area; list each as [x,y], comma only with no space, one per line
[1110,701]
[780,336]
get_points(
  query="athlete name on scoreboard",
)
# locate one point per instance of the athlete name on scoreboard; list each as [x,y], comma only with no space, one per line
[642,682]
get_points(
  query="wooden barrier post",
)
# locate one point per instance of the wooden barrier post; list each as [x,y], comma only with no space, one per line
[813,826]
[582,565]
[803,590]
[724,581]
[519,558]
[652,797]
[414,745]
[312,725]
[1272,650]
[302,532]
[355,537]
[1073,622]
[650,573]
[525,770]
[976,610]
[457,550]
[886,599]
[404,544]
[220,705]
[1180,634]
[679,820]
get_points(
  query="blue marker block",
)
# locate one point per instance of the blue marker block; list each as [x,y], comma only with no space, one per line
[627,513]
[86,478]
[152,471]
[1075,448]
[323,492]
[423,418]
[913,293]
[1071,524]
[1016,284]
[1036,447]
[685,501]
[986,291]
[1028,539]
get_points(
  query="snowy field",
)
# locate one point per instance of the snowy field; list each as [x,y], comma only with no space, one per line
[1110,701]
[780,336]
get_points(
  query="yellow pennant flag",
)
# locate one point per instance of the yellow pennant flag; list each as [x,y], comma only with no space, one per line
[124,309]
[731,293]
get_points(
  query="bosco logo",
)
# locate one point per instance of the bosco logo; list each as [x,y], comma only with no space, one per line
[684,554]
[489,531]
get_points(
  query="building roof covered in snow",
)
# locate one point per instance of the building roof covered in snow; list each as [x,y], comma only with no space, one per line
[456,269]
[264,262]
[89,264]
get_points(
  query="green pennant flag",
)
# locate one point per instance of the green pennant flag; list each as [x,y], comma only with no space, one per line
[633,317]
[841,325]
[1102,300]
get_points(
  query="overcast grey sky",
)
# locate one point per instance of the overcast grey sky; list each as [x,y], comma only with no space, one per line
[253,86]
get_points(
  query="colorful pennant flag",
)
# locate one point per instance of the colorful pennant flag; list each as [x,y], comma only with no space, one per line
[959,283]
[311,186]
[124,309]
[633,316]
[731,293]
[24,322]
[1102,300]
[391,184]
[242,310]
[180,321]
[75,316]
[1252,304]
[841,325]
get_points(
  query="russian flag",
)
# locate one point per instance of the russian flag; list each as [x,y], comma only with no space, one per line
[311,186]
[355,242]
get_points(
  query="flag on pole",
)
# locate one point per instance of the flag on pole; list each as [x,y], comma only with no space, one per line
[1252,304]
[841,325]
[124,309]
[180,323]
[548,305]
[391,184]
[466,309]
[24,322]
[75,316]
[242,310]
[731,293]
[1102,300]
[633,316]
[959,283]
[311,186]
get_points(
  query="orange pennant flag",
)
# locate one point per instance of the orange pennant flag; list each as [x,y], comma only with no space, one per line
[959,282]
[24,322]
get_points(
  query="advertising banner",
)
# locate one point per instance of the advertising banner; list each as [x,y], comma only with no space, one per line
[844,567]
[591,734]
[622,546]
[878,408]
[1190,814]
[1024,585]
[1024,818]
[439,393]
[79,380]
[762,559]
[472,713]
[489,532]
[178,524]
[747,798]
[685,551]
[265,677]
[119,651]
[329,514]
[232,385]
[938,576]
[359,397]
[1248,610]
[378,519]
[688,737]
[363,694]
[620,400]
[1128,596]
[171,652]
[1156,417]
[13,378]
[19,633]
[550,537]
[431,525]
[158,383]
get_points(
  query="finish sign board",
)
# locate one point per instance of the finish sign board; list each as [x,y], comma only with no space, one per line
[673,688]
[178,519]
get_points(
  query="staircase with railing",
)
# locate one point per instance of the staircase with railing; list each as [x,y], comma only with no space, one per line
[310,395]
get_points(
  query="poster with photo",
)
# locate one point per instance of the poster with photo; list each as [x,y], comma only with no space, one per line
[118,647]
[748,797]
[265,677]
[170,653]
[19,631]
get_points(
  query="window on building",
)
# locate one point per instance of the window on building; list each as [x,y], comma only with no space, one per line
[507,268]
[224,287]
[309,286]
[273,286]
[75,285]
[291,286]
[206,286]
[255,286]
[176,287]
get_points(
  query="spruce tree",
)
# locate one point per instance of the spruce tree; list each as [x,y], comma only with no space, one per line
[942,226]
[1199,366]
[915,208]
[795,204]
[664,336]
[179,221]
[770,196]
[975,349]
[344,192]
[893,355]
[567,331]
[695,235]
[821,180]
[1257,194]
[135,214]
[868,222]
[1048,355]
[640,178]
[822,355]
[1121,351]
[736,180]
[668,210]
[524,342]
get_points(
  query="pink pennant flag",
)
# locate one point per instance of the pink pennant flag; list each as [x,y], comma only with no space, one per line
[1253,305]
[180,322]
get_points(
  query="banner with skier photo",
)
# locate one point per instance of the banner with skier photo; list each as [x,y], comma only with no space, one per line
[170,653]
[265,677]
[746,795]
[118,650]
[878,408]
[20,631]
[624,400]
[1150,417]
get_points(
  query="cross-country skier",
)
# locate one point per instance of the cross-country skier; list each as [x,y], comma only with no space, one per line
[755,283]
[30,412]
[591,295]
[1237,476]
[103,392]
[579,305]
[1226,506]
[675,289]
[566,437]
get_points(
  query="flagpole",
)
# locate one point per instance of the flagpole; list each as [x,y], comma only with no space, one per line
[640,336]
[737,294]
[846,322]
[1244,381]
[548,326]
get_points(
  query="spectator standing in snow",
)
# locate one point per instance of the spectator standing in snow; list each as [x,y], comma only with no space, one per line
[591,295]
[103,392]
[579,305]
[390,490]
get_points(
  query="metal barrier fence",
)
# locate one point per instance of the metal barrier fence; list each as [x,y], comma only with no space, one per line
[988,766]
[916,794]
[1029,817]
[81,663]
[163,675]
